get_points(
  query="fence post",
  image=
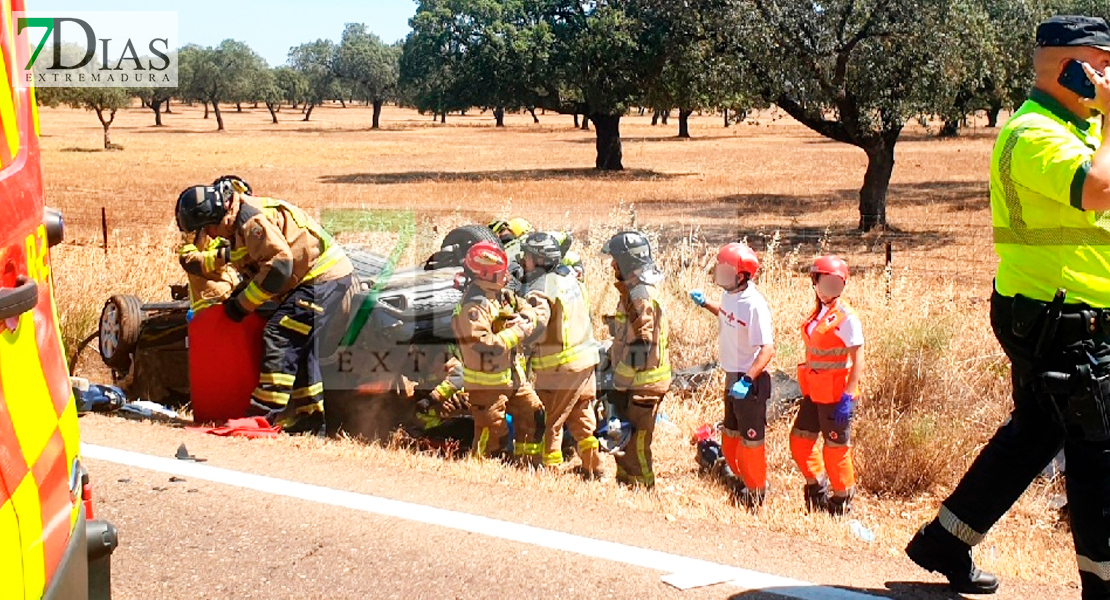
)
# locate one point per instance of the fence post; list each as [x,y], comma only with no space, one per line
[104,227]
[888,271]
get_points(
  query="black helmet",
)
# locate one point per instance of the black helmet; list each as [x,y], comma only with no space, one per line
[236,182]
[200,206]
[631,250]
[543,248]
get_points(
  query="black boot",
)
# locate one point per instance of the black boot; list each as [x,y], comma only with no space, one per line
[839,505]
[736,491]
[817,496]
[934,549]
[753,499]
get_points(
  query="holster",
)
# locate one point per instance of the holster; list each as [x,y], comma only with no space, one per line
[1026,316]
[1080,400]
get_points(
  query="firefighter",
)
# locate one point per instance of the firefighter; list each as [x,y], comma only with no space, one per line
[490,324]
[746,348]
[289,260]
[209,285]
[829,380]
[511,232]
[1050,312]
[642,372]
[565,353]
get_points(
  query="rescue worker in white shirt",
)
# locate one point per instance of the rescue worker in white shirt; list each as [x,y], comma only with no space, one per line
[490,324]
[642,372]
[291,261]
[564,355]
[829,380]
[746,348]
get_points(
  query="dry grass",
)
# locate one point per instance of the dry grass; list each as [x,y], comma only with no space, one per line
[936,385]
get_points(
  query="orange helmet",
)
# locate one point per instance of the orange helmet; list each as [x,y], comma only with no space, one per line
[830,264]
[739,257]
[486,261]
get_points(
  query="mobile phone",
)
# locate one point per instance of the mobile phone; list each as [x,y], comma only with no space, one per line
[1075,79]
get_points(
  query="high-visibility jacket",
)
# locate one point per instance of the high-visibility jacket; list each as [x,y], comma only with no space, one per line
[279,247]
[208,285]
[1043,237]
[567,342]
[824,375]
[488,345]
[639,348]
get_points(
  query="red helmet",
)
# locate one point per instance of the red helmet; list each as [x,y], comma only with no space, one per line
[739,257]
[486,261]
[830,264]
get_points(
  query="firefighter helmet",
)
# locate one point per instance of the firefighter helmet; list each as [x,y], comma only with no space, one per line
[485,261]
[236,183]
[632,252]
[543,248]
[511,229]
[200,206]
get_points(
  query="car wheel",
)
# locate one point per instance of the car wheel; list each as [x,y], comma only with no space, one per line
[120,321]
[455,244]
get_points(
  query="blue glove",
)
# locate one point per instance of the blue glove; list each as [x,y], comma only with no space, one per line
[844,409]
[740,389]
[698,297]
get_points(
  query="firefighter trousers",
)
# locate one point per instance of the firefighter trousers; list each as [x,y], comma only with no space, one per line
[1023,447]
[640,409]
[491,431]
[290,383]
[568,398]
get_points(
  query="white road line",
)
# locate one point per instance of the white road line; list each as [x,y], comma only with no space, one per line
[681,568]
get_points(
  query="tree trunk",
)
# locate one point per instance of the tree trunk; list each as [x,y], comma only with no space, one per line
[576,121]
[238,107]
[727,123]
[106,124]
[609,154]
[684,122]
[143,103]
[585,122]
[992,113]
[532,109]
[664,115]
[654,118]
[377,113]
[255,105]
[950,128]
[876,182]
[342,103]
[167,107]
[293,104]
[205,109]
[443,117]
[273,113]
[499,116]
[308,113]
[156,105]
[219,117]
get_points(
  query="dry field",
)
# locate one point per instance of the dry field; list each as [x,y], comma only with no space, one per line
[936,385]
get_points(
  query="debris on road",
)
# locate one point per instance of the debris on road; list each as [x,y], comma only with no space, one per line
[183,454]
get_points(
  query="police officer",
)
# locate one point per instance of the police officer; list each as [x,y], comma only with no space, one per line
[642,372]
[291,261]
[565,352]
[490,324]
[1050,310]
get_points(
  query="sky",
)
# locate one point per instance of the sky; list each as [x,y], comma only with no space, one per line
[271,27]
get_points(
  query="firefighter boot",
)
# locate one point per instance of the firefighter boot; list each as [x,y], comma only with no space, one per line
[839,505]
[817,496]
[934,549]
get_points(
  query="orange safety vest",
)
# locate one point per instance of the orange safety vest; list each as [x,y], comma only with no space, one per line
[824,375]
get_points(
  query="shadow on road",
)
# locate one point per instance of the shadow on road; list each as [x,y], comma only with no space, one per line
[900,590]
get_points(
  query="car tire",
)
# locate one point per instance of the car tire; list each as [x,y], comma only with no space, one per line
[456,243]
[120,322]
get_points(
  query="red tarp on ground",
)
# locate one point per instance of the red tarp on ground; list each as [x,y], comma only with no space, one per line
[224,361]
[250,427]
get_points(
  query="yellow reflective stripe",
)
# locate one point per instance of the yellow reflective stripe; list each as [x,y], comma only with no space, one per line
[33,419]
[325,261]
[533,448]
[483,442]
[294,325]
[624,370]
[590,443]
[646,476]
[509,338]
[310,408]
[488,379]
[952,524]
[642,378]
[254,295]
[827,351]
[28,506]
[11,555]
[1100,569]
[828,365]
[209,261]
[446,389]
[282,379]
[428,419]
[8,114]
[238,254]
[313,390]
[553,458]
[279,398]
[186,249]
[567,356]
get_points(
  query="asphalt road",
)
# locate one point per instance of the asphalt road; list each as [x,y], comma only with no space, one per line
[200,539]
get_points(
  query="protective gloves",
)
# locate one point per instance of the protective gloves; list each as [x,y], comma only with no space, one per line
[844,409]
[234,311]
[739,390]
[698,296]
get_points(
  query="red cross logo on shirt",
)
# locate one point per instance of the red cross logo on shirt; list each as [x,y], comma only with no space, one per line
[731,318]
